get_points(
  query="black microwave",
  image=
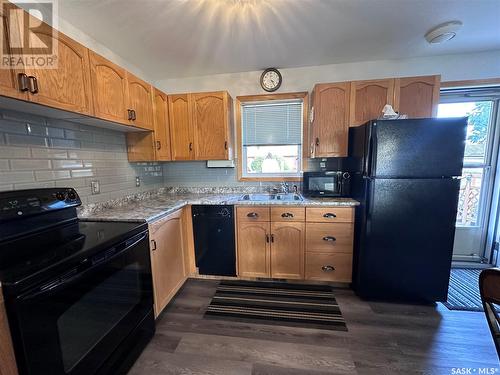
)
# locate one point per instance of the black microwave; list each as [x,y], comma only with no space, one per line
[326,184]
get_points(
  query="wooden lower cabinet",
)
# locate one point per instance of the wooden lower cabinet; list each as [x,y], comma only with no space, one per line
[335,267]
[254,248]
[281,242]
[7,359]
[287,250]
[167,258]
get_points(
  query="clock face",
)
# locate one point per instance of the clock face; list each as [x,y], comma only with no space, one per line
[270,79]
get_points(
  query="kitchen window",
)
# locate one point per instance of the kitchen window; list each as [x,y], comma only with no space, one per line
[271,136]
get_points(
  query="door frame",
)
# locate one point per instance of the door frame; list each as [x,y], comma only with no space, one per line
[490,206]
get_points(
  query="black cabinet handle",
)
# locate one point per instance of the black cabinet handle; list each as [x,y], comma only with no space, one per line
[328,268]
[317,142]
[129,111]
[329,215]
[272,238]
[158,145]
[225,145]
[267,238]
[134,117]
[253,214]
[190,146]
[286,214]
[153,243]
[23,82]
[33,84]
[329,239]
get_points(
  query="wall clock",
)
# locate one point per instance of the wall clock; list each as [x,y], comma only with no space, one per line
[270,80]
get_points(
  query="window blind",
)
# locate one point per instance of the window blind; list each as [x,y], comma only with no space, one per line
[272,123]
[470,94]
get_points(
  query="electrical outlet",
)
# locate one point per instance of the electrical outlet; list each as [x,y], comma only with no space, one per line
[95,187]
[137,181]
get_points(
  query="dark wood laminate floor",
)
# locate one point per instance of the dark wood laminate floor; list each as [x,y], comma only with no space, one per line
[383,339]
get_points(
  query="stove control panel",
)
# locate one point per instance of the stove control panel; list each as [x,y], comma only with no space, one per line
[23,203]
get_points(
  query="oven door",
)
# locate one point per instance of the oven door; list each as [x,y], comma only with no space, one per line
[73,323]
[325,184]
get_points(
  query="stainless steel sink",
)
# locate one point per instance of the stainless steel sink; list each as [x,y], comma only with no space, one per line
[271,197]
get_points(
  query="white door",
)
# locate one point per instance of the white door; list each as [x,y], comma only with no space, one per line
[476,203]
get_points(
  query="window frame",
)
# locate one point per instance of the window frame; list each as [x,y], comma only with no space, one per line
[304,96]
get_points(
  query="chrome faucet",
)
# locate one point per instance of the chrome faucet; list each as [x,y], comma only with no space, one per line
[285,188]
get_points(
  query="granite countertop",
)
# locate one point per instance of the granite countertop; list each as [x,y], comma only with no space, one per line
[154,206]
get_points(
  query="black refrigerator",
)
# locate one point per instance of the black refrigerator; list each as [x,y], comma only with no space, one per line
[405,177]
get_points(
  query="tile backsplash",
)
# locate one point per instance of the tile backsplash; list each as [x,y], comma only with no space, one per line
[41,152]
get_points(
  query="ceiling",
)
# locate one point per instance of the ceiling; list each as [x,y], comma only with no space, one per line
[182,38]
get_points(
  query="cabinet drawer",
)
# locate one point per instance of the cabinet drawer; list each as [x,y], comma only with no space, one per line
[331,238]
[330,215]
[252,213]
[288,213]
[329,267]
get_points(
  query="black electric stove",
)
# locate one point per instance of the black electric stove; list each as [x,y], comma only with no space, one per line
[78,293]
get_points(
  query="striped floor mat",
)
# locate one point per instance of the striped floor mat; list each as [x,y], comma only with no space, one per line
[463,292]
[311,306]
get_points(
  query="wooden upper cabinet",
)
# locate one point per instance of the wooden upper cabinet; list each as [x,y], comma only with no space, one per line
[330,128]
[161,126]
[9,82]
[66,87]
[140,97]
[109,89]
[179,110]
[417,97]
[254,249]
[287,250]
[368,98]
[211,125]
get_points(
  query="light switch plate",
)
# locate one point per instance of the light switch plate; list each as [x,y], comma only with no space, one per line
[95,187]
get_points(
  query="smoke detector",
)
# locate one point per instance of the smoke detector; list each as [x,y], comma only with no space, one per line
[443,32]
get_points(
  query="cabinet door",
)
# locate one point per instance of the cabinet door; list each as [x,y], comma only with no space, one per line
[167,259]
[66,87]
[211,125]
[140,96]
[330,128]
[417,97]
[161,126]
[9,83]
[287,250]
[109,89]
[368,98]
[180,127]
[254,250]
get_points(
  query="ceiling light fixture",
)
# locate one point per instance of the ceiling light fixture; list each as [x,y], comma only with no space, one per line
[443,32]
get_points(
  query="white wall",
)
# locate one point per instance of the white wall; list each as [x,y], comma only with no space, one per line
[451,67]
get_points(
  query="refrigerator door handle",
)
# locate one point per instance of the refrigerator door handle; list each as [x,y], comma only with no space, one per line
[371,150]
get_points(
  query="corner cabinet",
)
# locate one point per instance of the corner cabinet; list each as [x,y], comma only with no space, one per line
[155,145]
[201,126]
[167,259]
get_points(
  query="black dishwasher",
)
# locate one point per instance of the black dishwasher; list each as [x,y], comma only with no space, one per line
[214,242]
